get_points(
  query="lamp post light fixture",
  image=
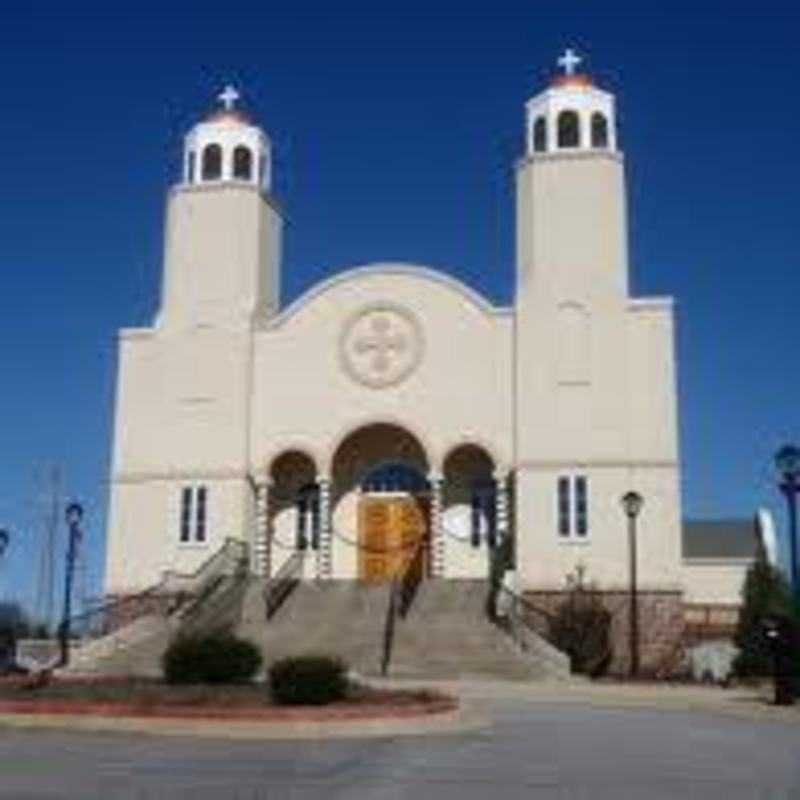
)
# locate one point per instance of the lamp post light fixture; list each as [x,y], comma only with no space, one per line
[73,516]
[787,462]
[632,503]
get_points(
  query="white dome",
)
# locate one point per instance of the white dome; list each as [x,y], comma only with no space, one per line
[571,115]
[227,147]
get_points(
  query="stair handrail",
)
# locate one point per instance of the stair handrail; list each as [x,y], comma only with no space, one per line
[279,586]
[167,596]
[402,589]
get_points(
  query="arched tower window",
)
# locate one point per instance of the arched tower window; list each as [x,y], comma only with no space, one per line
[569,129]
[599,130]
[212,163]
[190,167]
[242,163]
[540,135]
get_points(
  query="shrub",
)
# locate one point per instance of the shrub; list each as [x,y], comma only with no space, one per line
[765,594]
[308,680]
[210,658]
[581,628]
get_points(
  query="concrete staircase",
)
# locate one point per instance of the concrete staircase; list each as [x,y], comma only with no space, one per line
[340,618]
[446,633]
[136,649]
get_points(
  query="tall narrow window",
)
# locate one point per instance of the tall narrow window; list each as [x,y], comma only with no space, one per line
[540,135]
[581,506]
[200,515]
[569,129]
[599,130]
[242,163]
[564,516]
[186,514]
[194,515]
[573,506]
[212,163]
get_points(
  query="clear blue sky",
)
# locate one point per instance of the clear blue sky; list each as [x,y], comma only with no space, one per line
[396,126]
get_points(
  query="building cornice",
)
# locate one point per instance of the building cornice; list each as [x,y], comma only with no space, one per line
[599,463]
[570,155]
[229,186]
[664,303]
[147,476]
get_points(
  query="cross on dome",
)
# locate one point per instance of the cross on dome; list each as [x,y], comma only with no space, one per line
[228,97]
[569,61]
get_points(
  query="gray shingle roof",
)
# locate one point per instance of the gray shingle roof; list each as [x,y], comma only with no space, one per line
[719,538]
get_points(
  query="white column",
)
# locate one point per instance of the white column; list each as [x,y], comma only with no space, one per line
[437,529]
[261,542]
[501,507]
[324,553]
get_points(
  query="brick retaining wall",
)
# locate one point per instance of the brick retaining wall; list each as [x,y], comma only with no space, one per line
[661,626]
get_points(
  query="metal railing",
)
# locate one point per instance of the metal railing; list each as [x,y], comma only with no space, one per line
[283,582]
[170,595]
[402,590]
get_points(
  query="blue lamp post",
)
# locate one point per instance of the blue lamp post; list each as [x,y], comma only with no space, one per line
[74,515]
[787,462]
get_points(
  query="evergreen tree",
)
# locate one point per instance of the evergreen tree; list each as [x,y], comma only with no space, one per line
[765,594]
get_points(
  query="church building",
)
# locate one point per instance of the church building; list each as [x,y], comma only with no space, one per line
[391,410]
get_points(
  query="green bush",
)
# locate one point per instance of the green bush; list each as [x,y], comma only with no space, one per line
[210,658]
[765,593]
[308,680]
[581,628]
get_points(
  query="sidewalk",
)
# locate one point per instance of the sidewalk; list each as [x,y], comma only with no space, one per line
[743,702]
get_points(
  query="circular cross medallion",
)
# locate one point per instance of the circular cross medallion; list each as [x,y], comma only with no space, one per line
[381,345]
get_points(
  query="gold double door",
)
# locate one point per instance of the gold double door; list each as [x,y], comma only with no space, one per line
[392,533]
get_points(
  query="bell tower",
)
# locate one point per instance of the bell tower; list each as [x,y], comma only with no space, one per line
[571,219]
[572,272]
[223,227]
[595,400]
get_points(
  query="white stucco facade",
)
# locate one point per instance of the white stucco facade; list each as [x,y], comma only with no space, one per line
[230,407]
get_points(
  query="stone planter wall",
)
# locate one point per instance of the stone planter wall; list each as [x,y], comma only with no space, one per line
[661,627]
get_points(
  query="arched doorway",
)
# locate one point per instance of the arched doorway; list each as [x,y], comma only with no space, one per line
[469,511]
[380,504]
[294,518]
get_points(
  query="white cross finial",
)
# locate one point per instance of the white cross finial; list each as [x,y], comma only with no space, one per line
[569,61]
[228,97]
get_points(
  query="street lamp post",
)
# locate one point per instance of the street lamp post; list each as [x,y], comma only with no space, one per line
[74,515]
[632,503]
[787,461]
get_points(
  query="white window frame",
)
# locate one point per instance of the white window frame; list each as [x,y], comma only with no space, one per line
[572,535]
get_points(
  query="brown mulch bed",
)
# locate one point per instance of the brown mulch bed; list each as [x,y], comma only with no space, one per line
[141,698]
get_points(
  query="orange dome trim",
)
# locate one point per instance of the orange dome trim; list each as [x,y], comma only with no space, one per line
[580,79]
[228,115]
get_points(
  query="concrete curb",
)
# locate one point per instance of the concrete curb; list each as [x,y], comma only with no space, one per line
[445,723]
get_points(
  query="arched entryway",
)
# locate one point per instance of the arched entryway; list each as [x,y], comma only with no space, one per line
[380,504]
[470,524]
[294,524]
